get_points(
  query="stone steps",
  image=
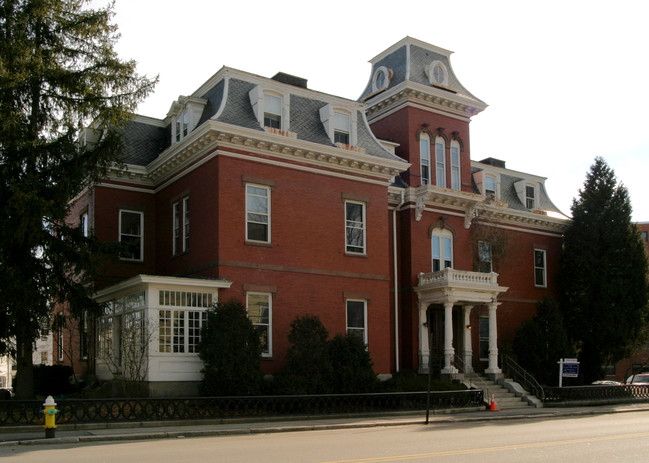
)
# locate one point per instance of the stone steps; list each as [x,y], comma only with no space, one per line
[504,399]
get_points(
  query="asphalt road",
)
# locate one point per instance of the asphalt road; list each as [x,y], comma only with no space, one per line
[620,437]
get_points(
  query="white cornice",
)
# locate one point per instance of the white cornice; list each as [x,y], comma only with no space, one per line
[473,207]
[213,135]
[433,97]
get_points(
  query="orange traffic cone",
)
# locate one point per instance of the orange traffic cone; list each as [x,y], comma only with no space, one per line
[492,407]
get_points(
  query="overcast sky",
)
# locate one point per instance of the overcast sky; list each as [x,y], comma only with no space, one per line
[565,81]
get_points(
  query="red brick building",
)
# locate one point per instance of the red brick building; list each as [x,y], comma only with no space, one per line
[369,214]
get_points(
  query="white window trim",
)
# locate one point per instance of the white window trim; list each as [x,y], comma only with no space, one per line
[186,112]
[270,319]
[440,180]
[388,76]
[521,192]
[430,73]
[456,169]
[363,229]
[141,214]
[327,116]
[268,199]
[441,234]
[179,211]
[256,96]
[424,155]
[347,327]
[544,268]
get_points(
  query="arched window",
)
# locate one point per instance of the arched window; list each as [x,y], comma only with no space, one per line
[424,156]
[455,165]
[440,161]
[442,249]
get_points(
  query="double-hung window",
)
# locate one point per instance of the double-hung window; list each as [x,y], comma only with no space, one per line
[131,234]
[355,227]
[424,156]
[442,249]
[540,268]
[260,314]
[180,226]
[440,162]
[530,201]
[455,165]
[272,111]
[341,128]
[357,318]
[490,186]
[258,213]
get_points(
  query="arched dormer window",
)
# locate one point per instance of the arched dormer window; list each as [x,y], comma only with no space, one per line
[440,161]
[269,109]
[442,249]
[340,125]
[455,165]
[424,158]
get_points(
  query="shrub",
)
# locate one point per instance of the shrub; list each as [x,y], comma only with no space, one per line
[230,349]
[351,365]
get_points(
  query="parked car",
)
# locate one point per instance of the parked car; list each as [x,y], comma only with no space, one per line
[607,382]
[640,379]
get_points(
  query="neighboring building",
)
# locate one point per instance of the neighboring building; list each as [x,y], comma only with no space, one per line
[368,214]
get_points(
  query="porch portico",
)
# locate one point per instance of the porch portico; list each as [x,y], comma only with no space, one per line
[462,290]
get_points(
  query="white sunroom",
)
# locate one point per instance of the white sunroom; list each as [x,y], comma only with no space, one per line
[150,331]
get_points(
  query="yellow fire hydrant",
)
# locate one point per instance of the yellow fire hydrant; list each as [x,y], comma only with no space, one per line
[50,412]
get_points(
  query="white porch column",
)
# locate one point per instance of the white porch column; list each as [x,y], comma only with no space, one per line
[424,347]
[493,340]
[449,352]
[467,356]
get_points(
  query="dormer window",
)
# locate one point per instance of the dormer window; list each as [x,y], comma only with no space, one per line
[490,186]
[272,111]
[182,124]
[381,79]
[530,197]
[269,108]
[339,124]
[341,128]
[527,193]
[185,114]
[437,73]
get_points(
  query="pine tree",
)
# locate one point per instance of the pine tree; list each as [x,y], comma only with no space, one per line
[604,274]
[59,73]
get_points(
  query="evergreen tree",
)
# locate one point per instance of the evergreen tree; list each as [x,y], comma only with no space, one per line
[230,349]
[604,274]
[308,368]
[58,74]
[540,343]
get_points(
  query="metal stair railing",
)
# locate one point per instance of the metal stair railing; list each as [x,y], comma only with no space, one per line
[472,379]
[518,374]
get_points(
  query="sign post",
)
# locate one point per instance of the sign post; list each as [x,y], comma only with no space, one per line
[568,368]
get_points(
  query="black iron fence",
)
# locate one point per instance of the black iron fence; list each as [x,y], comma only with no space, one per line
[596,394]
[72,411]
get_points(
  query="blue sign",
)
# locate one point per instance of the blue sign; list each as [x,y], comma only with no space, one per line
[570,370]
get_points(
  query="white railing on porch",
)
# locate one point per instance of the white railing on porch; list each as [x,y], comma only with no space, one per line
[451,275]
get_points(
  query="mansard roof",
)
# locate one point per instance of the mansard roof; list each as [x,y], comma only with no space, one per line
[410,67]
[508,179]
[225,98]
